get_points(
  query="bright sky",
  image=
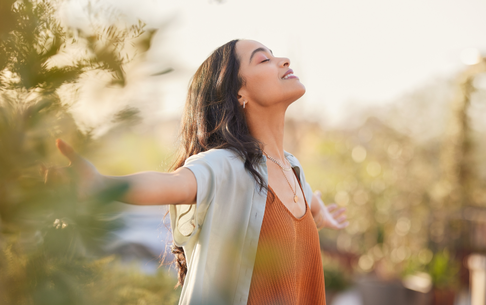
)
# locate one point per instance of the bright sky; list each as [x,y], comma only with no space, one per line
[348,53]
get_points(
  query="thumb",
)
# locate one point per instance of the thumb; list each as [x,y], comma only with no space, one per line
[67,151]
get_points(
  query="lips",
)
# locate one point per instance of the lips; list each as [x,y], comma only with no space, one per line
[289,71]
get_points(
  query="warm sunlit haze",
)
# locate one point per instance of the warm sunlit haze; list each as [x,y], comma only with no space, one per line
[390,129]
[349,54]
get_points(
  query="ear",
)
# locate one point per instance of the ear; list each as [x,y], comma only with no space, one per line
[242,97]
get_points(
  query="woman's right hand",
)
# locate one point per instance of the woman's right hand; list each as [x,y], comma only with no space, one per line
[87,178]
[142,188]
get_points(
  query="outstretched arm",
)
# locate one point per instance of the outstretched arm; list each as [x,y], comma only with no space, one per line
[152,188]
[156,188]
[144,188]
[327,217]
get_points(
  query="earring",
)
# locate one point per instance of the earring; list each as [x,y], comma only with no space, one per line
[244,104]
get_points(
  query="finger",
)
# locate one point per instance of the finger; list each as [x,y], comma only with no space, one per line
[341,219]
[67,150]
[318,194]
[338,212]
[343,225]
[340,225]
[332,207]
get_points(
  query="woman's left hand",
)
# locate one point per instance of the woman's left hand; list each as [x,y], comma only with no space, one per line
[330,216]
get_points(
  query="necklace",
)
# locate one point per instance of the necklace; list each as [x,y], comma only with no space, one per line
[288,169]
[294,190]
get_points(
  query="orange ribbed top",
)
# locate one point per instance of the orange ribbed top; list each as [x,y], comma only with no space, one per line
[288,267]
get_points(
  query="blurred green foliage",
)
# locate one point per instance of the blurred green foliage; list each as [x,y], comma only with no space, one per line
[383,178]
[406,196]
[336,277]
[50,241]
[443,270]
[401,192]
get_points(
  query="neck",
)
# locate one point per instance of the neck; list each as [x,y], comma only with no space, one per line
[267,126]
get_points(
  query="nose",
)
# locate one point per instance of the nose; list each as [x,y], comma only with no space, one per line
[284,61]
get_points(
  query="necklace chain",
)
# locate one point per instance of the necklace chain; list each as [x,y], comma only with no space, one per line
[294,190]
[288,169]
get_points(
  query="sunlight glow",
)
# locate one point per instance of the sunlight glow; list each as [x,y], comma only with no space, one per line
[470,56]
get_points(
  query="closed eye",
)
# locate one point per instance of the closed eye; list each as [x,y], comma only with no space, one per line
[268,59]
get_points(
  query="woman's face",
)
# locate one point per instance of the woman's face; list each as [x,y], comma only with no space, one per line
[265,77]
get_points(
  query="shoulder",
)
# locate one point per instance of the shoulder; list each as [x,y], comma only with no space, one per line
[219,169]
[292,159]
[217,158]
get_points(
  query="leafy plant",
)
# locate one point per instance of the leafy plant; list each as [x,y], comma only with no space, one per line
[444,270]
[50,240]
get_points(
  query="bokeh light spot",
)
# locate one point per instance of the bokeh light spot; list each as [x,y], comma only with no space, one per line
[366,262]
[342,198]
[373,169]
[425,256]
[360,197]
[403,226]
[358,154]
[394,150]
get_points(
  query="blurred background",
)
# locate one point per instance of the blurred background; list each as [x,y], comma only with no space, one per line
[392,127]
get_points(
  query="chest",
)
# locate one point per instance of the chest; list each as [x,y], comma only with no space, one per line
[285,185]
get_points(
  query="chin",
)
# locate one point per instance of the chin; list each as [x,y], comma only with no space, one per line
[297,95]
[301,91]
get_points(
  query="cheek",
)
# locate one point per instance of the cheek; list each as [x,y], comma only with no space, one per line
[263,84]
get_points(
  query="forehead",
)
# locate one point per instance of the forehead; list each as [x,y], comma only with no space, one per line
[244,48]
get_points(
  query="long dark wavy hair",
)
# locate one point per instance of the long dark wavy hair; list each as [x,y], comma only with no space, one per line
[213,118]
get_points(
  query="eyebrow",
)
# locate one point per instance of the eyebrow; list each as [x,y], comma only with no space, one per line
[259,50]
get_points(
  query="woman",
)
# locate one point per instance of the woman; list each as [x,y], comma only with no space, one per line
[240,207]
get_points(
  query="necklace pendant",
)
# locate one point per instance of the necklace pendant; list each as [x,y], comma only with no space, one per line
[296,198]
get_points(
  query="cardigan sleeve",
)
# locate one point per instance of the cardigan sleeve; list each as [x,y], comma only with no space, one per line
[187,219]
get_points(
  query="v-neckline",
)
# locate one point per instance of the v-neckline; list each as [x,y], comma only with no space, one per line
[286,208]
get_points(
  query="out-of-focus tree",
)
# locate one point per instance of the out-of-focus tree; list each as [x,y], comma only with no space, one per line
[382,177]
[404,176]
[49,238]
[457,156]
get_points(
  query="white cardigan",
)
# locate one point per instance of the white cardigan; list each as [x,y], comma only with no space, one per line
[220,232]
